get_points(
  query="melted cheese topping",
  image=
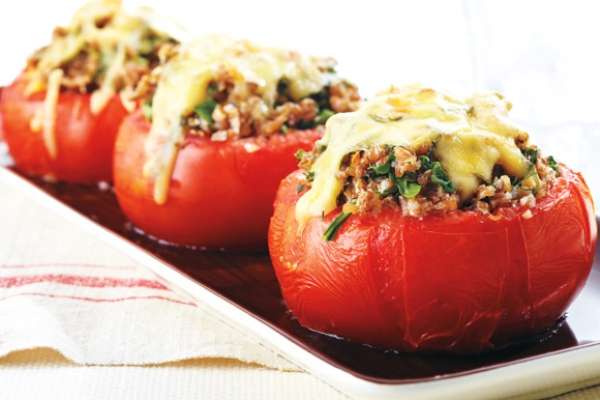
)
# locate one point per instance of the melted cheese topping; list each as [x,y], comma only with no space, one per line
[122,32]
[470,136]
[50,110]
[121,35]
[185,79]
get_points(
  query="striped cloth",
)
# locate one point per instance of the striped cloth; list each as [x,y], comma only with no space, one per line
[62,289]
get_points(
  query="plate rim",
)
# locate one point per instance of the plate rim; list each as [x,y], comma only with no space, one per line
[525,370]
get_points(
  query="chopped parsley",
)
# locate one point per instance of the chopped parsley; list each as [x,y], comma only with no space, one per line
[335,225]
[323,116]
[310,176]
[532,174]
[426,163]
[407,188]
[552,163]
[283,88]
[205,110]
[383,169]
[530,153]
[321,148]
[300,154]
[439,177]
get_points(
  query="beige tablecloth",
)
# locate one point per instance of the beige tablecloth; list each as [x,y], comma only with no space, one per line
[140,337]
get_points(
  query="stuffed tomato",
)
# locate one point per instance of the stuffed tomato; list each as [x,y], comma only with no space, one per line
[62,114]
[201,163]
[426,223]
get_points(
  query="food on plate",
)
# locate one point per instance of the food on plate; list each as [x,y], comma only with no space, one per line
[61,115]
[200,163]
[422,222]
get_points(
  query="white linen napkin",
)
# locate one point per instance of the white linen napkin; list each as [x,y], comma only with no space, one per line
[62,289]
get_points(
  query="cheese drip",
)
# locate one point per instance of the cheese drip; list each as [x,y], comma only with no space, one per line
[184,84]
[122,34]
[470,136]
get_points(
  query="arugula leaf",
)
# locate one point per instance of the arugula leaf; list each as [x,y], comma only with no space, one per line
[407,188]
[205,109]
[439,177]
[335,225]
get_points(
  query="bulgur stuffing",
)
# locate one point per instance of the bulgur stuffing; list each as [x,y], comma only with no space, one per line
[234,111]
[387,176]
[102,49]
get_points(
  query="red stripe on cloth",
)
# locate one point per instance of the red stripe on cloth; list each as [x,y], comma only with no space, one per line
[78,280]
[100,300]
[69,265]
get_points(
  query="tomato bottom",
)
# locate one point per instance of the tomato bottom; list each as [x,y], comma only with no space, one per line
[463,282]
[221,193]
[84,140]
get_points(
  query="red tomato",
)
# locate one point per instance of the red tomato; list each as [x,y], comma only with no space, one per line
[463,282]
[84,141]
[221,193]
[1,129]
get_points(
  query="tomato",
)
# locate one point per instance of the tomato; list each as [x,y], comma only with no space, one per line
[221,193]
[1,129]
[84,141]
[463,282]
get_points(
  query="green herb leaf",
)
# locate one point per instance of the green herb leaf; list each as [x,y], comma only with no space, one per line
[532,173]
[406,188]
[284,129]
[425,163]
[310,176]
[212,89]
[531,153]
[552,163]
[383,169]
[439,177]
[322,98]
[323,116]
[205,109]
[299,154]
[283,87]
[147,110]
[515,181]
[335,225]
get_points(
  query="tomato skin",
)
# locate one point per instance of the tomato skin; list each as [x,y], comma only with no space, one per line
[460,283]
[221,194]
[84,141]
[1,129]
